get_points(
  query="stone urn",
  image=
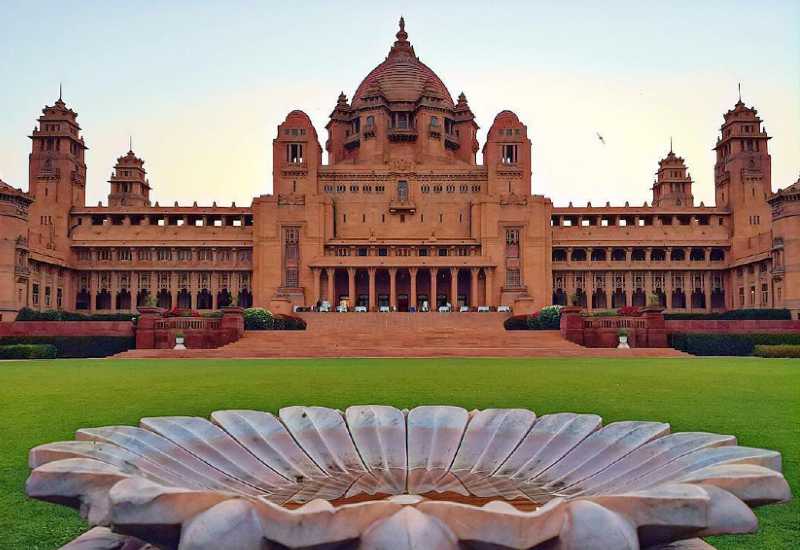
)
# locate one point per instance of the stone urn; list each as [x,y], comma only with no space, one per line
[179,342]
[623,340]
[376,477]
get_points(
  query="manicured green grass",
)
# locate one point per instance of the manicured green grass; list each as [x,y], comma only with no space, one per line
[757,400]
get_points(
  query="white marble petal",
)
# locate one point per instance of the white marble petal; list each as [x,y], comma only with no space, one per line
[186,483]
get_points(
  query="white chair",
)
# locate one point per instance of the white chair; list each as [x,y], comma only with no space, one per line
[483,309]
[384,309]
[341,309]
[444,309]
[361,309]
[503,309]
[463,309]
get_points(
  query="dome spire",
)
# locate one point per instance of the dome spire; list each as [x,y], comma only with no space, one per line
[402,45]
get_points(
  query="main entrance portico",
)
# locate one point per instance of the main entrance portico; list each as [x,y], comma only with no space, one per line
[403,286]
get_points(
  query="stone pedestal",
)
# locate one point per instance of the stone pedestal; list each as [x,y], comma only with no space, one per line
[572,324]
[656,328]
[232,324]
[524,305]
[145,333]
[280,305]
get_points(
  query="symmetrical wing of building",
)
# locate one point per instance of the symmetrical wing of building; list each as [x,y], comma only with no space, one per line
[401,215]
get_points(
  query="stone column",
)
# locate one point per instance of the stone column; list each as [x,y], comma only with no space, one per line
[173,287]
[351,285]
[114,289]
[193,286]
[454,287]
[92,291]
[317,274]
[372,298]
[134,288]
[393,288]
[589,290]
[331,273]
[707,289]
[489,271]
[432,297]
[412,296]
[627,280]
[668,288]
[473,289]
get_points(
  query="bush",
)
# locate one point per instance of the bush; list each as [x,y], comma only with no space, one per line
[28,351]
[729,344]
[735,315]
[605,313]
[257,318]
[517,322]
[26,314]
[77,346]
[629,311]
[549,318]
[784,350]
[287,322]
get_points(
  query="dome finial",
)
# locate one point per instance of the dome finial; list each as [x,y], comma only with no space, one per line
[402,35]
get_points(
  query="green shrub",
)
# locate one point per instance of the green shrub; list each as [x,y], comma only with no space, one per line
[28,351]
[77,346]
[26,314]
[287,322]
[257,318]
[784,350]
[735,315]
[518,322]
[605,313]
[549,318]
[728,344]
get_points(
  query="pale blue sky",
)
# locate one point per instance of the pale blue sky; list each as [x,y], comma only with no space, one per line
[201,86]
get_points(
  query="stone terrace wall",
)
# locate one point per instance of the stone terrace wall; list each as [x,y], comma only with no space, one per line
[67,328]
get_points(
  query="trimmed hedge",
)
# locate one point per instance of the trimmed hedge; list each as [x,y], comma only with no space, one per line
[735,315]
[547,318]
[785,350]
[77,346]
[257,318]
[729,344]
[26,314]
[28,351]
[287,322]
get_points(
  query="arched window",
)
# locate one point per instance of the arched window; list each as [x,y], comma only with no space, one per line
[579,255]
[370,121]
[402,190]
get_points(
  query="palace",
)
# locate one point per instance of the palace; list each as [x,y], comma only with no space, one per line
[400,215]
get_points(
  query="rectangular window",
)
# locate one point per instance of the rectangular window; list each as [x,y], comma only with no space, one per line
[764,294]
[59,298]
[294,153]
[512,243]
[509,154]
[423,251]
[104,254]
[124,254]
[184,254]
[512,278]
[35,294]
[164,254]
[47,296]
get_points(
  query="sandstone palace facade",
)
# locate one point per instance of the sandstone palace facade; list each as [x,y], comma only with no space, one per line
[399,215]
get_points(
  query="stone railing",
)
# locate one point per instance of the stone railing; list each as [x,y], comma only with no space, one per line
[645,331]
[154,331]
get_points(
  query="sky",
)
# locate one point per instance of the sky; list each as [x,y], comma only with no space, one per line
[200,87]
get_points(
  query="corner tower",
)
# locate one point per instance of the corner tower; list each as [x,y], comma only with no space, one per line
[673,185]
[742,173]
[129,187]
[57,178]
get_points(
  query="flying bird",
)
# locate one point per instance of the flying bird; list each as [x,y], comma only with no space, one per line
[603,141]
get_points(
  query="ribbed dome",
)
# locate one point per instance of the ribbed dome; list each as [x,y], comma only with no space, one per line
[402,76]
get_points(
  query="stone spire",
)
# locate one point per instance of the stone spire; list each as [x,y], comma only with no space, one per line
[402,45]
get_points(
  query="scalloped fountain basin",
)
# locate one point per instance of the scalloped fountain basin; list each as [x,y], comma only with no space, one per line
[378,477]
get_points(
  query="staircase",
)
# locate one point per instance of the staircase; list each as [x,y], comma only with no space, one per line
[402,335]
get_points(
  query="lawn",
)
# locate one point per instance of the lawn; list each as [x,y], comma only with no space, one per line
[757,400]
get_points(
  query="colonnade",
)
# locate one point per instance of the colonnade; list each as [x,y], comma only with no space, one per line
[402,288]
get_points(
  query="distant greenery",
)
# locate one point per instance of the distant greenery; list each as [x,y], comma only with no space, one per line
[547,318]
[757,400]
[785,350]
[26,314]
[77,346]
[257,318]
[735,314]
[728,344]
[28,351]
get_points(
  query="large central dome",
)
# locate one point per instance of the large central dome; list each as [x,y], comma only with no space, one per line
[402,77]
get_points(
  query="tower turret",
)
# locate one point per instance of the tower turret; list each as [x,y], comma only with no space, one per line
[129,187]
[57,177]
[673,185]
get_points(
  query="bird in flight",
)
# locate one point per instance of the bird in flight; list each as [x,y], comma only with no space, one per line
[602,140]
